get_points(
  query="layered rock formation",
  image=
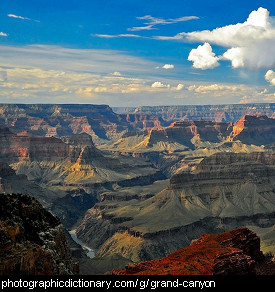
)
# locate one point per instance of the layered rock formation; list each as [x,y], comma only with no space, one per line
[235,252]
[191,135]
[218,113]
[62,167]
[101,122]
[73,156]
[184,143]
[225,191]
[32,240]
[98,121]
[181,135]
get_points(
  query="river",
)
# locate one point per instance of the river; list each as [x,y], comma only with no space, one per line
[89,252]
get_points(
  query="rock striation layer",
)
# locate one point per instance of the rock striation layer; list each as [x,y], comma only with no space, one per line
[32,240]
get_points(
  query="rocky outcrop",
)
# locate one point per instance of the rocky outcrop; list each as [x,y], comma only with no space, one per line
[32,240]
[234,252]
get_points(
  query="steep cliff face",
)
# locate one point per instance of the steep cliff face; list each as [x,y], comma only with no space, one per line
[257,130]
[32,240]
[234,252]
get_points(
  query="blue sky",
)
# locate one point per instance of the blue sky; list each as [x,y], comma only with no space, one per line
[137,52]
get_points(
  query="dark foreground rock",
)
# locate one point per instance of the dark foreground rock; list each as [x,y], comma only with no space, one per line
[32,240]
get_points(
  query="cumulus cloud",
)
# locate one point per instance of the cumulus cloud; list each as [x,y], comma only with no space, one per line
[250,44]
[203,57]
[258,26]
[270,77]
[158,84]
[179,87]
[168,66]
[3,34]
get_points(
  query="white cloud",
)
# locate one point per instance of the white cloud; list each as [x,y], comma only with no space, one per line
[219,88]
[203,57]
[179,87]
[3,34]
[151,22]
[158,84]
[168,66]
[270,77]
[258,26]
[19,17]
[111,36]
[236,56]
[251,43]
[116,73]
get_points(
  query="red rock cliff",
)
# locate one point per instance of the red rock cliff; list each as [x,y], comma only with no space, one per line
[227,253]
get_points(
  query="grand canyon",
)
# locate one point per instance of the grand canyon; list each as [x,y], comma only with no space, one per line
[139,187]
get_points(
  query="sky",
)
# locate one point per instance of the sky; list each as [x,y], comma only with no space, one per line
[133,53]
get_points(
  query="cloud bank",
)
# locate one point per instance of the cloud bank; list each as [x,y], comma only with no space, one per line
[52,74]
